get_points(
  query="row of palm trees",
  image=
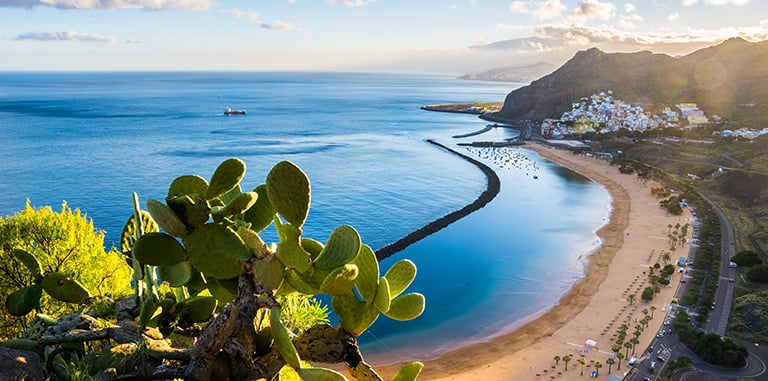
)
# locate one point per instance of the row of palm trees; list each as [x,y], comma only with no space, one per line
[620,343]
[583,361]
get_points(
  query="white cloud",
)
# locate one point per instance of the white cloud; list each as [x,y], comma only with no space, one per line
[351,3]
[726,2]
[688,3]
[192,5]
[65,36]
[549,9]
[630,21]
[586,35]
[629,8]
[673,16]
[593,9]
[256,19]
[519,7]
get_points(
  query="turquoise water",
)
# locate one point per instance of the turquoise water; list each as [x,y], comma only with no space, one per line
[93,138]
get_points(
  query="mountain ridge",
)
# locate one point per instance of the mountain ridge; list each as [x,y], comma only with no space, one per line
[727,79]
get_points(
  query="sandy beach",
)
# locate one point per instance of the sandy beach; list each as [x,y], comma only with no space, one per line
[595,307]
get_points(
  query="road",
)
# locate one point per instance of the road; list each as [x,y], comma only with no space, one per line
[667,346]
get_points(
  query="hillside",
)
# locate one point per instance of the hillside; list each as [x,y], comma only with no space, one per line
[729,79]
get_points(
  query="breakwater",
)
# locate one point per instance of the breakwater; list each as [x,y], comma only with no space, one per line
[492,189]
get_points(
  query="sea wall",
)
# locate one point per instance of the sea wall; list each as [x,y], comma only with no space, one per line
[492,189]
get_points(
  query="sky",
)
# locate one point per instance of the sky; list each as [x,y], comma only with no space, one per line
[416,36]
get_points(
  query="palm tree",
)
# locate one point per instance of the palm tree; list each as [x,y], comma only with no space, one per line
[634,341]
[628,345]
[566,358]
[610,361]
[644,311]
[557,360]
[619,356]
[652,308]
[631,298]
[582,361]
[666,257]
[598,366]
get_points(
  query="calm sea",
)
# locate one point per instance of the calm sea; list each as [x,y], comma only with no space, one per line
[91,139]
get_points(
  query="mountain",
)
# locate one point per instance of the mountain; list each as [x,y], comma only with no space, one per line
[729,79]
[526,73]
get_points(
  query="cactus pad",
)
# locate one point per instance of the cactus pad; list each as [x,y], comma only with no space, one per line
[355,316]
[341,248]
[408,372]
[253,242]
[283,340]
[311,246]
[24,300]
[288,189]
[158,249]
[188,185]
[64,288]
[240,204]
[289,250]
[28,260]
[269,272]
[406,307]
[400,276]
[166,218]
[320,374]
[128,235]
[200,308]
[217,251]
[340,281]
[368,273]
[225,178]
[302,284]
[193,210]
[177,275]
[383,298]
[261,213]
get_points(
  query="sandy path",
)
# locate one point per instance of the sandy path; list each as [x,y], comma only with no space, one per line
[595,307]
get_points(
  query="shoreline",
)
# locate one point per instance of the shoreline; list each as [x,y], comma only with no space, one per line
[529,348]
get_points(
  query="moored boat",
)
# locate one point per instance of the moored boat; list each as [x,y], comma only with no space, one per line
[229,111]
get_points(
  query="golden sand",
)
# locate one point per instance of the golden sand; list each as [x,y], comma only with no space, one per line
[595,307]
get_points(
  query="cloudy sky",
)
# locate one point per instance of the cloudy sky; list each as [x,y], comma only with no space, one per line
[438,36]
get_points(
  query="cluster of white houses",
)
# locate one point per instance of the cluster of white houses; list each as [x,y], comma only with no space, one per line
[602,113]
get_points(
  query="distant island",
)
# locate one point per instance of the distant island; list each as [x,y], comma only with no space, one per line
[525,73]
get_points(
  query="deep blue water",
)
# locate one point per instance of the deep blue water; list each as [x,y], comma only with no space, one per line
[91,139]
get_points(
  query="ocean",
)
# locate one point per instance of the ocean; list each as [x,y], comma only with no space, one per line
[93,138]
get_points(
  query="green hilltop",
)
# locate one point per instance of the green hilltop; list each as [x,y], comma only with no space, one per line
[729,80]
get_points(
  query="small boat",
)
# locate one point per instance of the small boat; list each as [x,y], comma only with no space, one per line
[229,111]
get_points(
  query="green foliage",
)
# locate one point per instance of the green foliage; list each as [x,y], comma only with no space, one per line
[672,205]
[750,316]
[709,346]
[60,242]
[758,273]
[747,258]
[647,294]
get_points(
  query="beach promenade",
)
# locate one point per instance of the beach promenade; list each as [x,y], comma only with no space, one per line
[595,307]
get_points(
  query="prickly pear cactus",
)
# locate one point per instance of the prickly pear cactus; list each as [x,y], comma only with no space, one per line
[209,239]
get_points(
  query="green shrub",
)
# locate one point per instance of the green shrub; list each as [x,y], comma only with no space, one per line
[64,241]
[758,273]
[747,258]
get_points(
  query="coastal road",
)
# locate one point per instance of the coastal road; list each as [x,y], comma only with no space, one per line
[718,317]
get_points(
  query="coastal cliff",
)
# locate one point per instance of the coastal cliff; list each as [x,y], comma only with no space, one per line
[729,79]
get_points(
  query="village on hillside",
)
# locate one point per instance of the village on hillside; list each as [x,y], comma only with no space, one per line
[602,113]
